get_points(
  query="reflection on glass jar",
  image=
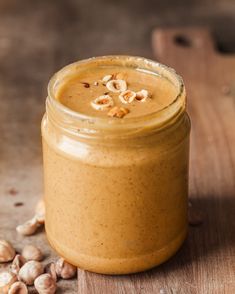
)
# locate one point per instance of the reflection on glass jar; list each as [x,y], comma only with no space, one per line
[116,191]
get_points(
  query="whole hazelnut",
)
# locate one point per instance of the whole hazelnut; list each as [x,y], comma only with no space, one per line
[7,252]
[50,269]
[18,288]
[45,284]
[31,252]
[6,280]
[30,271]
[29,227]
[64,269]
[17,263]
[40,211]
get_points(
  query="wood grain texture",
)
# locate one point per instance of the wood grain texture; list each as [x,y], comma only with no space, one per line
[210,83]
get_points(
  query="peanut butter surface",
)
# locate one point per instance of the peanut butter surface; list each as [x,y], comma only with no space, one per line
[80,90]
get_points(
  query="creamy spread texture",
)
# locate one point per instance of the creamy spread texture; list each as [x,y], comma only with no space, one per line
[81,89]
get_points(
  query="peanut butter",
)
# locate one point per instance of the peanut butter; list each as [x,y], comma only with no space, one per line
[116,186]
[80,90]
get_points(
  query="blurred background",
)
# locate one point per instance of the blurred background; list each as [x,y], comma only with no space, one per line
[44,35]
[38,37]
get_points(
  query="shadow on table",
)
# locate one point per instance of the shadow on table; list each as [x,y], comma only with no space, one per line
[213,237]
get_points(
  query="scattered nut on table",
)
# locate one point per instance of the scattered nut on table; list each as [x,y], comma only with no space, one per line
[51,269]
[18,288]
[7,252]
[29,227]
[17,263]
[40,211]
[45,284]
[195,217]
[30,271]
[64,269]
[31,252]
[6,280]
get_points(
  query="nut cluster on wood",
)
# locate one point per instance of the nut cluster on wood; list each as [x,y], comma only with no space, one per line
[26,268]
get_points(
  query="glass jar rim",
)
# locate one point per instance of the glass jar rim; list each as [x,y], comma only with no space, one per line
[155,119]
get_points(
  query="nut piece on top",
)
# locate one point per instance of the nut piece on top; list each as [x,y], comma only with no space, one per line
[18,288]
[107,78]
[142,95]
[64,269]
[116,86]
[102,102]
[31,252]
[127,96]
[45,284]
[30,271]
[6,280]
[118,112]
[7,252]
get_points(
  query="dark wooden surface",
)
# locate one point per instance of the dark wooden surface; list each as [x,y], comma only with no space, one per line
[39,37]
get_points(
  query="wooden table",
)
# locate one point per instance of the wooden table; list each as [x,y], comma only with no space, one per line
[30,51]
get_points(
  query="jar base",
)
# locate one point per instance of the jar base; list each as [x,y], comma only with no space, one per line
[119,266]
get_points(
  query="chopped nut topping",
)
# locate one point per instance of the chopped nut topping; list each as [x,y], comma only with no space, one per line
[107,78]
[96,84]
[118,112]
[119,76]
[142,95]
[86,85]
[116,86]
[102,102]
[127,96]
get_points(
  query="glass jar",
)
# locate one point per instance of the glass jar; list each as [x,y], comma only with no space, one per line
[116,190]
